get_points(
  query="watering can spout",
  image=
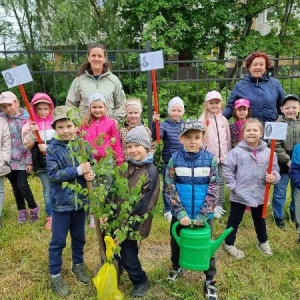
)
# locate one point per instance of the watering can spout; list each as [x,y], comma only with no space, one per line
[215,244]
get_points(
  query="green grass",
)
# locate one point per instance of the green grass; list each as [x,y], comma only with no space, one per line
[24,261]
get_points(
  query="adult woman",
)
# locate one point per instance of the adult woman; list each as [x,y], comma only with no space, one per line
[95,77]
[263,92]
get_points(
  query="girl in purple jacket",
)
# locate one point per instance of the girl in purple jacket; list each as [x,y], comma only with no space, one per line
[247,165]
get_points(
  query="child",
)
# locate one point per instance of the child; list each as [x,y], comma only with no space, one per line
[140,164]
[192,189]
[295,179]
[5,154]
[97,124]
[21,159]
[246,165]
[133,109]
[217,139]
[67,205]
[290,108]
[241,113]
[42,109]
[169,132]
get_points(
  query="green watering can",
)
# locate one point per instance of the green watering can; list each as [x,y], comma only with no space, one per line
[196,247]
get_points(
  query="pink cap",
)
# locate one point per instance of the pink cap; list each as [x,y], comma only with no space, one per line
[213,95]
[7,97]
[241,102]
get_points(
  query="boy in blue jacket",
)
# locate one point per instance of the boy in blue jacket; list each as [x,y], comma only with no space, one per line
[192,189]
[68,213]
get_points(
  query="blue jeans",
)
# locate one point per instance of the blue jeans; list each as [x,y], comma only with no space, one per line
[1,193]
[46,191]
[62,223]
[279,196]
[167,206]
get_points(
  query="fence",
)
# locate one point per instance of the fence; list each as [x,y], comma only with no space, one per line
[53,71]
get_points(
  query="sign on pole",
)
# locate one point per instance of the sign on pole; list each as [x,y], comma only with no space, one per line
[16,76]
[152,60]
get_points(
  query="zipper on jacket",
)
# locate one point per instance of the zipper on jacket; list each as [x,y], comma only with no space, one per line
[193,188]
[218,134]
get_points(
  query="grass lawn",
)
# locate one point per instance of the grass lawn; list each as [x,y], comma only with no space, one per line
[24,261]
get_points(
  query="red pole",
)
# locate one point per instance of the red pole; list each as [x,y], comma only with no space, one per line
[30,113]
[155,105]
[268,184]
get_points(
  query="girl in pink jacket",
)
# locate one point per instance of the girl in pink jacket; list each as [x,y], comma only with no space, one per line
[217,139]
[97,125]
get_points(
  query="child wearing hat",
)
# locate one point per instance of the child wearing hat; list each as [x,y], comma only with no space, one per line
[217,139]
[68,212]
[290,107]
[42,109]
[133,109]
[21,158]
[140,164]
[192,189]
[101,132]
[169,133]
[241,113]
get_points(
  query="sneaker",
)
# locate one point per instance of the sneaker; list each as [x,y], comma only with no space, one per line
[168,216]
[175,274]
[209,291]
[234,251]
[22,216]
[219,211]
[140,290]
[279,223]
[92,221]
[265,248]
[80,273]
[34,214]
[58,286]
[48,224]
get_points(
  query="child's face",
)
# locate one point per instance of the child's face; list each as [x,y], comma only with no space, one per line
[136,151]
[98,109]
[65,129]
[10,108]
[252,134]
[241,113]
[133,116]
[176,112]
[213,106]
[192,140]
[290,109]
[42,110]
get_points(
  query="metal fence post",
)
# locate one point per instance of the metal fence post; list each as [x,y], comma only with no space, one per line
[149,89]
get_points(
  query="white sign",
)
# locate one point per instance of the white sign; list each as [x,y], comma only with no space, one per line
[152,60]
[16,76]
[275,131]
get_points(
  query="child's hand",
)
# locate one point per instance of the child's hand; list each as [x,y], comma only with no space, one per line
[103,219]
[85,167]
[89,176]
[270,178]
[42,147]
[289,164]
[28,168]
[186,221]
[33,127]
[155,116]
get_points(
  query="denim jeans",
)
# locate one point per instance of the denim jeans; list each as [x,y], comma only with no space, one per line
[1,193]
[130,261]
[62,223]
[46,191]
[21,189]
[279,196]
[236,216]
[175,252]
[167,206]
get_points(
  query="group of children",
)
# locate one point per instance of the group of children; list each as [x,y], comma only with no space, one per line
[199,157]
